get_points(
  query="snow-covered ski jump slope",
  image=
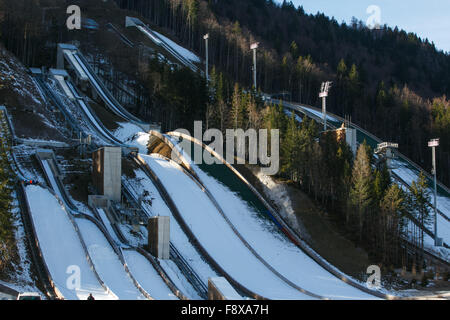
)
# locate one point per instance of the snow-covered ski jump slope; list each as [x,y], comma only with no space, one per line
[216,236]
[63,258]
[103,256]
[106,261]
[245,213]
[126,130]
[79,63]
[111,269]
[266,278]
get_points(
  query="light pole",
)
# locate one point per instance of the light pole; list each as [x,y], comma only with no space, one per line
[433,144]
[206,37]
[253,47]
[324,94]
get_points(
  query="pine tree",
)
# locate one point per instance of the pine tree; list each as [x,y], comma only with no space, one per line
[381,182]
[290,149]
[344,180]
[236,105]
[360,197]
[294,50]
[392,223]
[253,114]
[419,204]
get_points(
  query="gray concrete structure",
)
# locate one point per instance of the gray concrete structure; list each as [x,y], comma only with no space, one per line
[96,201]
[60,54]
[107,172]
[49,156]
[220,289]
[159,237]
[350,138]
[68,51]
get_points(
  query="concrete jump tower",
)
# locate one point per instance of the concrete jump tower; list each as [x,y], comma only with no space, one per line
[159,237]
[107,172]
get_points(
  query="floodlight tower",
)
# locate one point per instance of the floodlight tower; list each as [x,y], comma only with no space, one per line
[433,144]
[206,37]
[253,47]
[324,94]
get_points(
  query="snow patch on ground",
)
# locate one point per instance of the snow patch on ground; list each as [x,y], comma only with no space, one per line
[131,134]
[14,73]
[278,193]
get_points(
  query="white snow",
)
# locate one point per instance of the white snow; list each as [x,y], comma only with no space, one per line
[226,289]
[177,236]
[280,196]
[272,245]
[50,176]
[64,86]
[13,73]
[443,203]
[319,114]
[61,247]
[70,56]
[179,279]
[150,35]
[133,135]
[107,262]
[277,249]
[147,276]
[108,225]
[217,237]
[182,51]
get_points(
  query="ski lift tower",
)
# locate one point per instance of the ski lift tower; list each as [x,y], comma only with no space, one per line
[324,94]
[385,150]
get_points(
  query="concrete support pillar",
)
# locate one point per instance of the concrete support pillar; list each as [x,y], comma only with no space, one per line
[107,172]
[389,157]
[350,138]
[159,237]
[60,54]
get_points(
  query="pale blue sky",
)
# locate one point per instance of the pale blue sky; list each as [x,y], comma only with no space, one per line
[428,18]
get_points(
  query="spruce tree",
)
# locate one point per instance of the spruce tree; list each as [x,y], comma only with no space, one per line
[235,113]
[419,205]
[360,197]
[290,149]
[392,223]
